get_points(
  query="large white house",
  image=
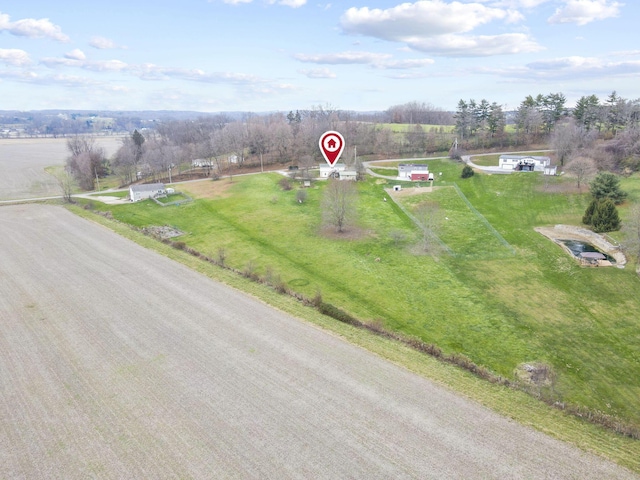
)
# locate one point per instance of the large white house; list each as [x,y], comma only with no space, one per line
[146,190]
[523,163]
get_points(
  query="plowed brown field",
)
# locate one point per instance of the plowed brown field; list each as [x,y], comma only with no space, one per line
[23,163]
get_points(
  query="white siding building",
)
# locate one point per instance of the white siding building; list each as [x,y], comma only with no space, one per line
[405,170]
[147,190]
[523,163]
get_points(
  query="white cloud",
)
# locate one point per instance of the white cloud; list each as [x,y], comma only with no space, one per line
[20,76]
[343,58]
[289,3]
[75,54]
[425,18]
[439,28]
[286,3]
[475,46]
[376,60]
[102,43]
[14,57]
[569,68]
[585,11]
[149,71]
[77,59]
[527,4]
[318,73]
[406,64]
[32,28]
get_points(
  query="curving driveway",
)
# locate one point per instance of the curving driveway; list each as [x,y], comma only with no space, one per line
[116,362]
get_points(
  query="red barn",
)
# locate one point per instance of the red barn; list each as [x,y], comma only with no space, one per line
[419,176]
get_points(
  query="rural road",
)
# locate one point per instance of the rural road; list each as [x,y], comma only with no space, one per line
[116,362]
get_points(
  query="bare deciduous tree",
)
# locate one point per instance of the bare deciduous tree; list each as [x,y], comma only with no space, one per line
[339,203]
[582,169]
[568,138]
[65,181]
[87,161]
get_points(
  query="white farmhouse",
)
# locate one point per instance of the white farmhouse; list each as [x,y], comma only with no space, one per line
[327,170]
[338,171]
[146,190]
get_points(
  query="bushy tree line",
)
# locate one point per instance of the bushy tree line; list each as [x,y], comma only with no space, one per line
[482,119]
[291,138]
[263,140]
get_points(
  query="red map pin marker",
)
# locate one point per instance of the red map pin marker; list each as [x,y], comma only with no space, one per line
[331,145]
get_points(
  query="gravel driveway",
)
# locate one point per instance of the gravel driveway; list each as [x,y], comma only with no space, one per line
[116,362]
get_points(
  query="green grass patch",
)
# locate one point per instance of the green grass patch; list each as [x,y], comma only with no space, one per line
[497,308]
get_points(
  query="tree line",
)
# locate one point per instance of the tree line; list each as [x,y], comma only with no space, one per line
[253,140]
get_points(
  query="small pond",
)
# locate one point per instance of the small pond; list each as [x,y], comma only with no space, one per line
[577,247]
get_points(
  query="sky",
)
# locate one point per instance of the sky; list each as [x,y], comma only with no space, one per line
[282,55]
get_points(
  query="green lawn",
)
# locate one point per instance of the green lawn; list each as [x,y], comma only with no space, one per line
[505,295]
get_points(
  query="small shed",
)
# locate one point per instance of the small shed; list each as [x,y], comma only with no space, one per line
[146,190]
[592,258]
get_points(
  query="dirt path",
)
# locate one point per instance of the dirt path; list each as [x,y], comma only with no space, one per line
[116,362]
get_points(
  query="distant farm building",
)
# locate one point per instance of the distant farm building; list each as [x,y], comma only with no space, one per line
[405,170]
[524,163]
[147,190]
[327,170]
[338,171]
[199,162]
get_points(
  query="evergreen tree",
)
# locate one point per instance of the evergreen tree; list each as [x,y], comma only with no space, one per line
[605,216]
[607,185]
[467,172]
[587,218]
[587,111]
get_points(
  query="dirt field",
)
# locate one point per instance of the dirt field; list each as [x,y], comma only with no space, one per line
[22,163]
[116,362]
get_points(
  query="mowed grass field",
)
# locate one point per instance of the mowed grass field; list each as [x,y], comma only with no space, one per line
[503,296]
